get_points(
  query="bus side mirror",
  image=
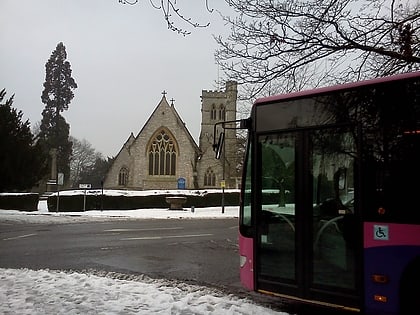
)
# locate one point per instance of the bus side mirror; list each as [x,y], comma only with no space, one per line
[245,123]
[219,146]
[340,178]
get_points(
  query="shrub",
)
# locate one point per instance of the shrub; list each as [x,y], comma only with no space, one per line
[19,201]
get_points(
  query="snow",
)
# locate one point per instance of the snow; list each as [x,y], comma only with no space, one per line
[24,291]
[59,292]
[112,192]
[43,216]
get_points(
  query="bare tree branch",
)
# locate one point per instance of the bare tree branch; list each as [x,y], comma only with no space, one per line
[280,43]
[170,10]
[83,159]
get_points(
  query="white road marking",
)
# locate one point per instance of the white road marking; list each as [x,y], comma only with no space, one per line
[163,237]
[18,237]
[132,230]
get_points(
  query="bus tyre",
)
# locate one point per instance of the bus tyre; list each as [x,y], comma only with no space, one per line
[410,289]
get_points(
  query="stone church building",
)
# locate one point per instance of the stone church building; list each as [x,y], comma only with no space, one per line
[164,155]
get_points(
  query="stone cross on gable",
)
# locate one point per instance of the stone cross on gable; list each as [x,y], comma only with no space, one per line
[172,102]
[164,93]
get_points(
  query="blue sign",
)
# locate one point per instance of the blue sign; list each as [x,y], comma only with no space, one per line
[181,183]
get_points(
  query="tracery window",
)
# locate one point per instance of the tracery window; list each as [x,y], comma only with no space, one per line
[162,155]
[123,177]
[209,178]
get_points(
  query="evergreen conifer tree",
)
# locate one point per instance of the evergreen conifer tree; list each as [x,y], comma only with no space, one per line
[21,161]
[57,95]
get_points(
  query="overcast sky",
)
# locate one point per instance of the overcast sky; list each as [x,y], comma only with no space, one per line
[122,57]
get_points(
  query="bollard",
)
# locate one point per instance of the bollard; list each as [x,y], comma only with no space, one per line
[192,209]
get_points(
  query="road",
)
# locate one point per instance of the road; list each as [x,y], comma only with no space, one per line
[202,251]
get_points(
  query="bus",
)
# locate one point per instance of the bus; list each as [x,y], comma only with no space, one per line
[329,211]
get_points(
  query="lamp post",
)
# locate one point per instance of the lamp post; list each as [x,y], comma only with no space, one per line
[223,177]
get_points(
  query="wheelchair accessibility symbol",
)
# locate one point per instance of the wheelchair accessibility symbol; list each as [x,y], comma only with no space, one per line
[380,232]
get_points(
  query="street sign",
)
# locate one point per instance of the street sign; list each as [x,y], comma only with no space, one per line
[85,186]
[60,179]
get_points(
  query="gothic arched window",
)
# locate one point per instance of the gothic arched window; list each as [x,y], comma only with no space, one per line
[162,155]
[213,112]
[123,177]
[222,112]
[209,178]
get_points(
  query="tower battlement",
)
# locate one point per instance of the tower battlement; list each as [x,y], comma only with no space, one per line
[230,87]
[213,94]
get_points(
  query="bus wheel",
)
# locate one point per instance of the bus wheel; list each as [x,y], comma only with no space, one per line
[409,288]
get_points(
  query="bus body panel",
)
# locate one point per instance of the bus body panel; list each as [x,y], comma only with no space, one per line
[388,250]
[246,252]
[379,234]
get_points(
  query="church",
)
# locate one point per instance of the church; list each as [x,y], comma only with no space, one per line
[164,155]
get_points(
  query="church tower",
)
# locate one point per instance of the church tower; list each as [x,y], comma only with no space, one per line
[218,106]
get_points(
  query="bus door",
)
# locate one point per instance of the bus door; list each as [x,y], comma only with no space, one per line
[306,227]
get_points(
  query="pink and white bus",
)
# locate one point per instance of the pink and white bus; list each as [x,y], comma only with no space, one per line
[330,203]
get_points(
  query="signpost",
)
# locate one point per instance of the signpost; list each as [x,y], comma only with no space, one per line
[102,194]
[85,187]
[223,185]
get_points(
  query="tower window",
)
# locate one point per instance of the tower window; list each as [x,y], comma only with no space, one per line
[162,155]
[213,112]
[222,112]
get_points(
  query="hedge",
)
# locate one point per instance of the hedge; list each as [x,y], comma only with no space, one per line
[80,202]
[19,201]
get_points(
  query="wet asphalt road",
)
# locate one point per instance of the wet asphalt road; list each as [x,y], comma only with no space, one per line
[202,251]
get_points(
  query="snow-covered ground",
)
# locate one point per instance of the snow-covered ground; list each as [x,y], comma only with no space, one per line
[43,216]
[45,292]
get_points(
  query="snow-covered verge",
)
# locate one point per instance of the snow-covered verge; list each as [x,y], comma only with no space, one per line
[29,292]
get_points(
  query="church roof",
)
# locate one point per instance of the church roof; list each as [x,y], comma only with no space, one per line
[164,104]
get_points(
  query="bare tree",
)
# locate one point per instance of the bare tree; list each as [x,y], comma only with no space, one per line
[171,11]
[83,159]
[288,45]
